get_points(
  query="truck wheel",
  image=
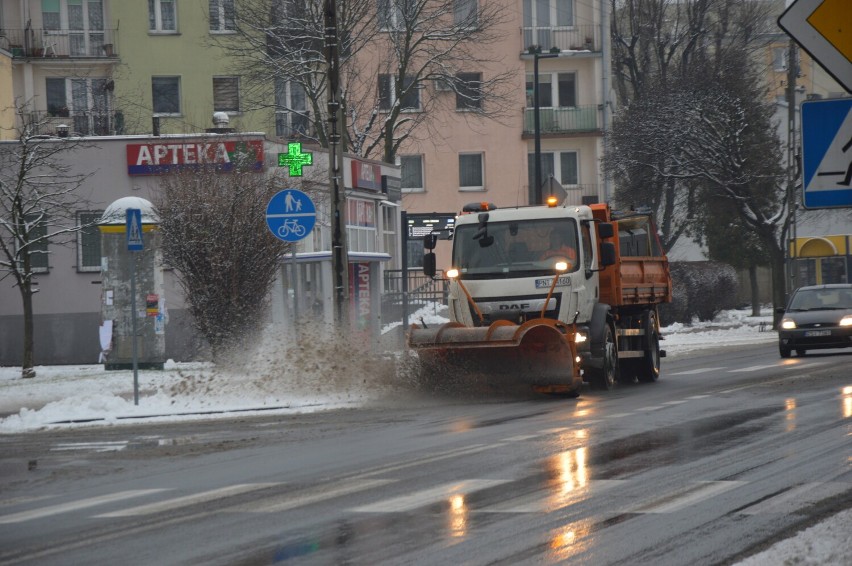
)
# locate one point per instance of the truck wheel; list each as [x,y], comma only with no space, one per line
[606,376]
[649,366]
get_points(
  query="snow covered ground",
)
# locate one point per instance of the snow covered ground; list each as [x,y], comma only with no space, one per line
[285,379]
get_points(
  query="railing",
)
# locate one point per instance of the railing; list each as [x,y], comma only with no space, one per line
[46,43]
[87,123]
[566,38]
[422,290]
[563,120]
[583,194]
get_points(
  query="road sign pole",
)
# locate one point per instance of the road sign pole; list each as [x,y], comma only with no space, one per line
[133,328]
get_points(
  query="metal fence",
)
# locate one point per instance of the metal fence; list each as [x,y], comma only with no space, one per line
[45,43]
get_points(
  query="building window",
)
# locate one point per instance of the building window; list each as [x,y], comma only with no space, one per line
[50,14]
[361,225]
[222,16]
[411,169]
[89,241]
[389,230]
[292,117]
[162,16]
[90,104]
[226,94]
[387,94]
[393,14]
[562,165]
[165,95]
[779,59]
[470,172]
[469,91]
[541,16]
[38,244]
[465,13]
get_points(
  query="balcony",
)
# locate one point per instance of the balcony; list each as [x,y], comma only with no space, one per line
[566,38]
[562,121]
[88,123]
[73,44]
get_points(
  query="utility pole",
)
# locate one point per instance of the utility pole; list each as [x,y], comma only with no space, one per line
[792,201]
[339,256]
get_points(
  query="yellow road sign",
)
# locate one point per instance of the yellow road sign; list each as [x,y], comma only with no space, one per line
[824,29]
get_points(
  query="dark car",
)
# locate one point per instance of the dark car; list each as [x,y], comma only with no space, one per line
[817,317]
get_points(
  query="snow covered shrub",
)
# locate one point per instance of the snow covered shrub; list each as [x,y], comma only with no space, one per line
[701,289]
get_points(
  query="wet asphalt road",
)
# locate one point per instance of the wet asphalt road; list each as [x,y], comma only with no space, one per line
[728,452]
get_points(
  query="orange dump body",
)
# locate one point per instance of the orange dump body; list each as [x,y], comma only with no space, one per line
[640,275]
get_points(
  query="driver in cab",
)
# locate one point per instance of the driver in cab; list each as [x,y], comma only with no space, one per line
[560,248]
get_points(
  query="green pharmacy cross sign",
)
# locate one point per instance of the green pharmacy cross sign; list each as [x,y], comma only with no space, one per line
[295,159]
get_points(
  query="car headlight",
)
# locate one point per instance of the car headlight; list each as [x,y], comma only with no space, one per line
[846,320]
[787,324]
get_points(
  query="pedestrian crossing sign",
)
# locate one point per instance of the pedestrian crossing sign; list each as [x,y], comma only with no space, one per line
[134,230]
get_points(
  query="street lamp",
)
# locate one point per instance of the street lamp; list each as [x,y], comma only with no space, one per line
[535,51]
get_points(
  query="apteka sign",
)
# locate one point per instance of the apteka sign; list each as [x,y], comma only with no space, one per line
[173,156]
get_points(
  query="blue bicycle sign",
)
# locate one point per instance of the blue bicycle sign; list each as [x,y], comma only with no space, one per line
[291,215]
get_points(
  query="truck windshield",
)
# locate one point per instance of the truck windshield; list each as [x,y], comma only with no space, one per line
[528,248]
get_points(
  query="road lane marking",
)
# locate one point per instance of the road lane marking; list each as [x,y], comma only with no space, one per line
[752,368]
[696,371]
[694,494]
[651,408]
[92,446]
[75,505]
[549,501]
[292,501]
[796,498]
[619,415]
[680,402]
[426,497]
[473,449]
[521,437]
[696,397]
[187,500]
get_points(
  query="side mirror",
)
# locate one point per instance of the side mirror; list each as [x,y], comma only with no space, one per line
[605,230]
[607,253]
[430,241]
[429,264]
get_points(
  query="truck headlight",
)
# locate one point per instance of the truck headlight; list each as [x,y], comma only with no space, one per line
[846,320]
[579,338]
[787,324]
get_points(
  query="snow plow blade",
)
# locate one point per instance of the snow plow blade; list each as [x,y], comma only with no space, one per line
[538,352]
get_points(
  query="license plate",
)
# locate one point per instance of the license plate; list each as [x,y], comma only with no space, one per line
[817,333]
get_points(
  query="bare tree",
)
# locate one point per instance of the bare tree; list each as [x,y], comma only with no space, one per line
[215,236]
[38,197]
[392,54]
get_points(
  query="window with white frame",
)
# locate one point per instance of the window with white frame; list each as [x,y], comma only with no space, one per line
[389,230]
[559,87]
[548,13]
[779,58]
[226,94]
[393,14]
[563,165]
[411,169]
[470,172]
[37,248]
[469,91]
[222,16]
[81,20]
[387,93]
[292,117]
[87,102]
[465,13]
[165,95]
[162,16]
[89,241]
[361,230]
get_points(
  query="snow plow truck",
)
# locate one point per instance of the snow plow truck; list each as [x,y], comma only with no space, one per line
[550,296]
